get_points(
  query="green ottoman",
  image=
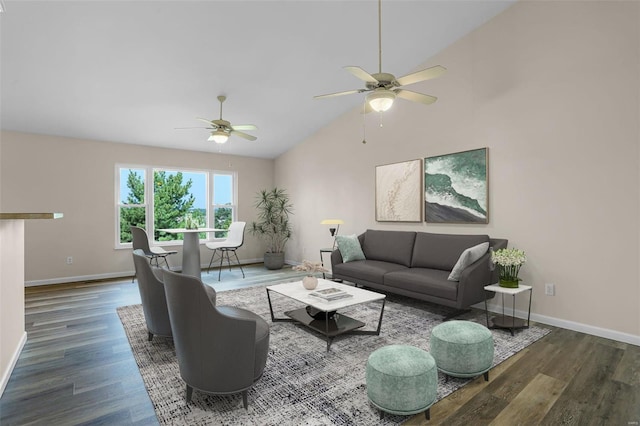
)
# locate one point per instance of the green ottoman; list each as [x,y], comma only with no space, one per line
[402,380]
[462,348]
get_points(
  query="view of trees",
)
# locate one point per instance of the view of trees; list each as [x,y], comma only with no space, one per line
[172,201]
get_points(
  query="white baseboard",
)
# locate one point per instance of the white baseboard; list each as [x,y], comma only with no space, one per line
[107,276]
[14,359]
[569,325]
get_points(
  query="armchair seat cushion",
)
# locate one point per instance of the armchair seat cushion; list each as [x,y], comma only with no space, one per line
[422,280]
[262,335]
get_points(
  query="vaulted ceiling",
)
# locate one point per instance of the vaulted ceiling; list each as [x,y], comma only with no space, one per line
[133,71]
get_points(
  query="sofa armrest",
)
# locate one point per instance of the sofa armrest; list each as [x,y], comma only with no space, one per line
[478,275]
[336,258]
[473,280]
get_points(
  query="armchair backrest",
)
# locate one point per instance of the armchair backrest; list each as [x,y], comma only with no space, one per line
[152,294]
[215,352]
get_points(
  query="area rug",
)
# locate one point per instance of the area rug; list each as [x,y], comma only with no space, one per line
[302,383]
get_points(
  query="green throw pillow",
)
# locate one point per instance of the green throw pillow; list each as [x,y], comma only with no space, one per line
[467,257]
[349,247]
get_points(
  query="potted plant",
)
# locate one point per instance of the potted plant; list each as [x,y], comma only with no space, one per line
[310,282]
[273,226]
[509,260]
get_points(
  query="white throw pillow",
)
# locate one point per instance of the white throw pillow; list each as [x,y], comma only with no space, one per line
[467,257]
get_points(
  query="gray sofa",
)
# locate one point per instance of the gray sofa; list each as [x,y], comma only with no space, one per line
[418,264]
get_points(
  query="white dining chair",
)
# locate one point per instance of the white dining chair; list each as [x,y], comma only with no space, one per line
[140,241]
[234,240]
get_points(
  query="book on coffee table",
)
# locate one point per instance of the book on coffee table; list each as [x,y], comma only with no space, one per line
[330,293]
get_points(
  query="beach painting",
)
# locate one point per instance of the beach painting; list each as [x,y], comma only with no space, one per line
[399,192]
[456,187]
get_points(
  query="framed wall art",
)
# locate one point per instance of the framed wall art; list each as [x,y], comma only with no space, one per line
[399,192]
[456,187]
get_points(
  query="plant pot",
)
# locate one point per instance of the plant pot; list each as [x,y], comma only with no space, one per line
[274,260]
[310,282]
[509,283]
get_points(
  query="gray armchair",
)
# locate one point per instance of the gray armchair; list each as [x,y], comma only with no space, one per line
[220,349]
[154,301]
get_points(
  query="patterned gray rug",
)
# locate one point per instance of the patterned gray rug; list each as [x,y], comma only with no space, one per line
[302,383]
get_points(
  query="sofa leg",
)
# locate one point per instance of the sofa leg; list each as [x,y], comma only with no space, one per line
[454,314]
[381,414]
[189,393]
[244,400]
[150,336]
[486,376]
[427,414]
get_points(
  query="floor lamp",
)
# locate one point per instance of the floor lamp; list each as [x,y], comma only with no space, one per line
[333,230]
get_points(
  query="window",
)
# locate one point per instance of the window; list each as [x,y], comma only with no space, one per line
[132,207]
[158,198]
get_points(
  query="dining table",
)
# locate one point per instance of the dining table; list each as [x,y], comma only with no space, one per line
[191,248]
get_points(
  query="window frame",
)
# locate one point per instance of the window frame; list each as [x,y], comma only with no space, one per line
[149,196]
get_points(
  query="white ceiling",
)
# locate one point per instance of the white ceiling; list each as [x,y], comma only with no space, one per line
[132,71]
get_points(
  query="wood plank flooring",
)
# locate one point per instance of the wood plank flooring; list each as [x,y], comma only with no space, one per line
[77,368]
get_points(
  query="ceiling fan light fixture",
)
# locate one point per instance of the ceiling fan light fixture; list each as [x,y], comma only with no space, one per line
[219,136]
[380,100]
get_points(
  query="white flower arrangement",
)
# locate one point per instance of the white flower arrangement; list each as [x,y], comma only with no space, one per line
[308,266]
[510,261]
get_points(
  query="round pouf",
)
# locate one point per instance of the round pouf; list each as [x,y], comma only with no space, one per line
[402,380]
[462,348]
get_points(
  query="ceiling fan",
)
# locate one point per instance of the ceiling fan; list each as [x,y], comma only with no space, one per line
[222,129]
[385,87]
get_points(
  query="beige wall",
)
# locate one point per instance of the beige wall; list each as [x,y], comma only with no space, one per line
[76,177]
[552,89]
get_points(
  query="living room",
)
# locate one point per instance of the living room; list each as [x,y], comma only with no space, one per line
[550,88]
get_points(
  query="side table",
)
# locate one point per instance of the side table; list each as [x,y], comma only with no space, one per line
[322,251]
[508,321]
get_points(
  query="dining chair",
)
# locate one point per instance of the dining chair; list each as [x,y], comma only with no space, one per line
[154,301]
[140,241]
[234,240]
[220,349]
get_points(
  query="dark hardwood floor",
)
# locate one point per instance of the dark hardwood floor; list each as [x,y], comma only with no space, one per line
[77,368]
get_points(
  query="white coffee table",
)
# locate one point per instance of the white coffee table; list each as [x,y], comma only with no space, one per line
[327,321]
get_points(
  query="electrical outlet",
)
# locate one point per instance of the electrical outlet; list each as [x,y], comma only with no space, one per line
[550,289]
[69,260]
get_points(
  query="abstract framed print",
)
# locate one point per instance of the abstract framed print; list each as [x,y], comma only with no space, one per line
[456,187]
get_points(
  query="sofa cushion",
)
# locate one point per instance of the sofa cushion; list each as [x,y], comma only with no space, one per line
[369,270]
[441,251]
[426,281]
[467,257]
[389,246]
[349,247]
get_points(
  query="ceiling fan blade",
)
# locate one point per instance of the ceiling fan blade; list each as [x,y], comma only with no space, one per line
[244,127]
[361,74]
[426,74]
[243,135]
[186,128]
[205,120]
[348,92]
[416,97]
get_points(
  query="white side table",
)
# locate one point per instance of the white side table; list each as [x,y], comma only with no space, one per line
[508,321]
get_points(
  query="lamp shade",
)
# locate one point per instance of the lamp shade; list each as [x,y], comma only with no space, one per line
[381,100]
[332,222]
[219,136]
